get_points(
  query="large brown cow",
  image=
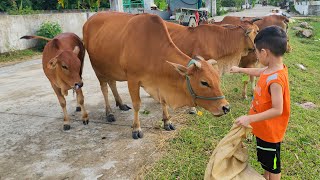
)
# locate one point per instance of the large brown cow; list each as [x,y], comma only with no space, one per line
[62,62]
[250,61]
[138,49]
[224,44]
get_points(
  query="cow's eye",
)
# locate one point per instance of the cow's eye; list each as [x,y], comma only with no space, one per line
[64,67]
[203,83]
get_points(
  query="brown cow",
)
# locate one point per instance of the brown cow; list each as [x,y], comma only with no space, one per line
[250,61]
[62,63]
[138,49]
[225,44]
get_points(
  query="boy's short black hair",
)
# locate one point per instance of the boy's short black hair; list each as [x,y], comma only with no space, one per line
[273,38]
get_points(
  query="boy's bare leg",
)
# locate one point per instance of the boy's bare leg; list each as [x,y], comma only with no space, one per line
[274,176]
[270,176]
[266,175]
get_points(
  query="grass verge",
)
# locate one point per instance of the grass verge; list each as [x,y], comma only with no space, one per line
[18,56]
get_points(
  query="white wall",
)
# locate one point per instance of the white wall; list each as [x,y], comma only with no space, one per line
[308,8]
[12,27]
[302,7]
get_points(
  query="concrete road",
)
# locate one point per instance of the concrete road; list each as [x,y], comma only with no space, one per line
[258,10]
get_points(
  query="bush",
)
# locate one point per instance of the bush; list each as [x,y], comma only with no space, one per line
[253,3]
[220,10]
[49,30]
[232,3]
[161,4]
[228,3]
[5,5]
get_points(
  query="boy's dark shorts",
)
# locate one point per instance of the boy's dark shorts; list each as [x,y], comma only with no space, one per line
[269,155]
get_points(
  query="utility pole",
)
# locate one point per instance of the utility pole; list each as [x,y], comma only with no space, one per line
[214,7]
[211,6]
[116,5]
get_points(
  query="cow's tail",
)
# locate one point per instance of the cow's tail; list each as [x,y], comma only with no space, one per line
[35,37]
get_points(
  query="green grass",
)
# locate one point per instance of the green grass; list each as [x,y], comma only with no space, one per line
[18,55]
[189,152]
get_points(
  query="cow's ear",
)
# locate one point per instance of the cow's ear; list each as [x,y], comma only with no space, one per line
[197,57]
[76,50]
[52,63]
[56,43]
[180,68]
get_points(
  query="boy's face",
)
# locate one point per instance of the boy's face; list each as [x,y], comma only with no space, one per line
[262,56]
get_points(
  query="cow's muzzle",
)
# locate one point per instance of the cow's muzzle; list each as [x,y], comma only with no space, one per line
[78,85]
[226,109]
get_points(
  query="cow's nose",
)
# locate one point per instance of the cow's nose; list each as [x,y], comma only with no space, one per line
[226,109]
[78,85]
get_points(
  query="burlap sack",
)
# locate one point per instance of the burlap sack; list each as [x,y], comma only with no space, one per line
[230,158]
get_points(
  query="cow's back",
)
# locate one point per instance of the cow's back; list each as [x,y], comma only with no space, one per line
[119,44]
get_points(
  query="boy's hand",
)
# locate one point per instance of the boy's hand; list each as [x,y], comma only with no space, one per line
[235,69]
[243,121]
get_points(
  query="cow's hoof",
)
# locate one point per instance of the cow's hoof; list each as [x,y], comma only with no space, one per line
[137,134]
[111,118]
[193,110]
[78,109]
[66,127]
[169,127]
[85,122]
[124,107]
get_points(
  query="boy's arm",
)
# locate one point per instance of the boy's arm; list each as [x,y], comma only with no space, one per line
[276,109]
[249,71]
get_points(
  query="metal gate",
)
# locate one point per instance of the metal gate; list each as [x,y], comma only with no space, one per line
[129,5]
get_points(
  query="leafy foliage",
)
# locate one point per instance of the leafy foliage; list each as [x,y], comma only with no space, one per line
[49,30]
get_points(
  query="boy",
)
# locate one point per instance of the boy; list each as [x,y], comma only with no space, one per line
[270,107]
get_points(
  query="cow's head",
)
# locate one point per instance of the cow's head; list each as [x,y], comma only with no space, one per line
[66,66]
[202,85]
[250,30]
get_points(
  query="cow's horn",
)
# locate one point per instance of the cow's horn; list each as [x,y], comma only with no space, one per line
[197,57]
[212,61]
[256,19]
[197,64]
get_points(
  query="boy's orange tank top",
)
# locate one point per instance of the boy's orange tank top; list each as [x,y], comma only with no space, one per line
[271,130]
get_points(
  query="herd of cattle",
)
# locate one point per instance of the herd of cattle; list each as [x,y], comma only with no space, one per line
[178,66]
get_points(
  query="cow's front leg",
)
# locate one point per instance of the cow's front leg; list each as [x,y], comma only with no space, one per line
[244,90]
[167,124]
[62,101]
[80,101]
[113,87]
[134,89]
[104,89]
